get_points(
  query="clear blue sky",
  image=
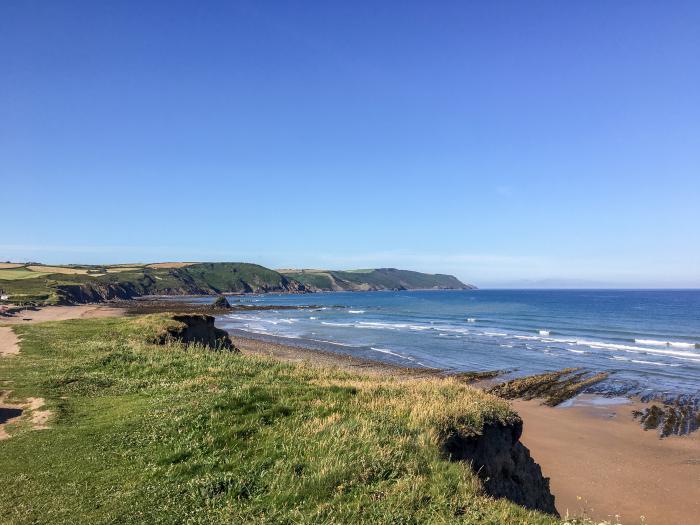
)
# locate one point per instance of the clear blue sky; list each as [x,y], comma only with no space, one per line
[505,142]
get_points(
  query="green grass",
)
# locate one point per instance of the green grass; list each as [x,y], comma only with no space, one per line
[170,434]
[380,278]
[13,274]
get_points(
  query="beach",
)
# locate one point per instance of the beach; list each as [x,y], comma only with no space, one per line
[599,460]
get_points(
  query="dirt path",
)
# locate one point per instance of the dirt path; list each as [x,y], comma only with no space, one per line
[9,342]
[61,313]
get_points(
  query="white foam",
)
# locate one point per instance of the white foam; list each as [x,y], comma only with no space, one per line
[386,351]
[454,330]
[576,351]
[694,356]
[333,342]
[356,311]
[313,318]
[337,324]
[544,332]
[681,345]
[471,320]
[642,362]
[384,326]
[654,342]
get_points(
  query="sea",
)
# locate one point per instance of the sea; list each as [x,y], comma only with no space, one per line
[649,340]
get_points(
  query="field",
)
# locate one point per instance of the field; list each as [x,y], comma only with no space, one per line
[170,265]
[13,274]
[142,433]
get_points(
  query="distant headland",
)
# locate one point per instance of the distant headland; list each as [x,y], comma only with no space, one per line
[22,283]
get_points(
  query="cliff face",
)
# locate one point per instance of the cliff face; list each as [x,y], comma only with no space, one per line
[94,292]
[195,279]
[504,465]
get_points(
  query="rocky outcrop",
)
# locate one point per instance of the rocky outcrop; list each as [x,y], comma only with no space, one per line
[504,465]
[196,328]
[94,292]
[221,303]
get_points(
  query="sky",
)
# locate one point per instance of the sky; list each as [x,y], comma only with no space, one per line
[541,143]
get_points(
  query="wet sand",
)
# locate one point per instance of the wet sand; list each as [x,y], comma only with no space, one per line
[600,461]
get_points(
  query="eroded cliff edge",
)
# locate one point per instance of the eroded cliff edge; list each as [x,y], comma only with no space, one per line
[503,464]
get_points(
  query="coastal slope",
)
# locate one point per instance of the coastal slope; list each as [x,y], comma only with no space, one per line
[84,284]
[374,279]
[153,430]
[73,284]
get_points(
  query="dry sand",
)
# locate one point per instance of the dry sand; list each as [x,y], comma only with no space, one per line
[61,313]
[601,461]
[596,453]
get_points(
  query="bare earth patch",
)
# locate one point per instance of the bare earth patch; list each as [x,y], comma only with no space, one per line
[9,342]
[13,412]
[39,417]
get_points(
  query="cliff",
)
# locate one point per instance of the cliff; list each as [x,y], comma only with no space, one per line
[85,284]
[375,279]
[503,464]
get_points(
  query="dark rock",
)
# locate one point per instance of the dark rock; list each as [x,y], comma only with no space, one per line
[221,302]
[197,328]
[94,292]
[504,465]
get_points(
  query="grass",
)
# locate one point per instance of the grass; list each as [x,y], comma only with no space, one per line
[69,270]
[13,274]
[380,279]
[170,434]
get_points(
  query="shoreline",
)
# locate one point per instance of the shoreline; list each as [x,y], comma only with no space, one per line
[600,461]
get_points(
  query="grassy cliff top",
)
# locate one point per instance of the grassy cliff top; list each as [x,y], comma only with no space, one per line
[374,279]
[142,433]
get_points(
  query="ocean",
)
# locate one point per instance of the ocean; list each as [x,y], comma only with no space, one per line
[648,339]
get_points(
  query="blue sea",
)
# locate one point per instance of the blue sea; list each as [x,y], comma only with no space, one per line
[648,339]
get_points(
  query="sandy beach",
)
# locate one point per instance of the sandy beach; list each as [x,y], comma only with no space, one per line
[60,313]
[598,458]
